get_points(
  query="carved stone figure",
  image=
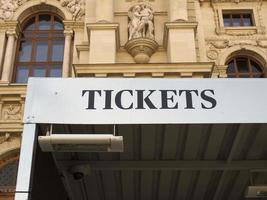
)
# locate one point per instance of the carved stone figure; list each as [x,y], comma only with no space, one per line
[8,7]
[12,112]
[141,22]
[76,7]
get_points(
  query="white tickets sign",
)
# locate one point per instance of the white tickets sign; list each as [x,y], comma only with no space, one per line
[145,101]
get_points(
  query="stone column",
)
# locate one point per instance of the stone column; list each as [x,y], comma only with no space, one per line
[9,56]
[104,41]
[104,10]
[200,34]
[178,10]
[180,41]
[67,50]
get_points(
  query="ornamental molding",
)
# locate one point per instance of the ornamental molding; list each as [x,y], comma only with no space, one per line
[9,7]
[76,7]
[255,6]
[216,45]
[11,112]
[229,1]
[5,138]
[10,157]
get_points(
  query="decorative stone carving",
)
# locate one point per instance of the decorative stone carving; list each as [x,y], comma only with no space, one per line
[4,138]
[8,7]
[220,44]
[233,1]
[212,54]
[262,43]
[215,45]
[11,112]
[141,23]
[141,49]
[141,44]
[254,5]
[76,7]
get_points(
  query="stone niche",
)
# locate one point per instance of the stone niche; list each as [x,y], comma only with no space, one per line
[141,42]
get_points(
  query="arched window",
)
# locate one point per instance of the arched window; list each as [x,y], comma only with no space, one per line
[41,48]
[244,67]
[8,174]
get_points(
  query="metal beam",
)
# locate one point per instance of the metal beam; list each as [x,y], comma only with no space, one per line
[242,128]
[26,162]
[170,165]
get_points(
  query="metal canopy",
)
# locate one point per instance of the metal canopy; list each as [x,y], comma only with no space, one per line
[192,162]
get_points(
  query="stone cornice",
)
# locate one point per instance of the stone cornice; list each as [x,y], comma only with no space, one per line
[230,1]
[151,69]
[73,25]
[13,89]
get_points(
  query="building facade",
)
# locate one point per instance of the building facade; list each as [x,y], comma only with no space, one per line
[120,38]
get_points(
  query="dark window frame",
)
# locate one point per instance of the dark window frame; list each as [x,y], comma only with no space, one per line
[249,73]
[241,14]
[33,37]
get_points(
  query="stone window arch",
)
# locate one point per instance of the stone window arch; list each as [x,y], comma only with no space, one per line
[8,176]
[245,64]
[40,47]
[244,67]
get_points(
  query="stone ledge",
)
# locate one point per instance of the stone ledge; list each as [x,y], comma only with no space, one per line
[203,69]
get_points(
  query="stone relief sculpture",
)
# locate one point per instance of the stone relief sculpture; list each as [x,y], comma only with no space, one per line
[76,7]
[8,7]
[12,112]
[141,22]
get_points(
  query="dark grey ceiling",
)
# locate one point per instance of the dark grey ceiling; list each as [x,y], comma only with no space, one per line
[170,162]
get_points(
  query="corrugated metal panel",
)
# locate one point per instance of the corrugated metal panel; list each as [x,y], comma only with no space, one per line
[185,162]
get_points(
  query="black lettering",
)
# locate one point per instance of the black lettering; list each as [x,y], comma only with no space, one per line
[165,99]
[108,95]
[208,98]
[91,98]
[118,99]
[189,99]
[141,99]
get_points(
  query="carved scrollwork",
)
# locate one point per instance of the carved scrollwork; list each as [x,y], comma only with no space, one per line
[212,54]
[8,7]
[4,138]
[76,7]
[262,43]
[220,44]
[12,112]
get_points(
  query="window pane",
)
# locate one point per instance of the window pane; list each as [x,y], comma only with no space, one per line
[55,71]
[242,65]
[255,67]
[231,67]
[226,20]
[244,75]
[57,51]
[247,20]
[41,51]
[57,24]
[22,74]
[42,35]
[236,20]
[258,75]
[30,24]
[58,34]
[25,51]
[38,71]
[44,22]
